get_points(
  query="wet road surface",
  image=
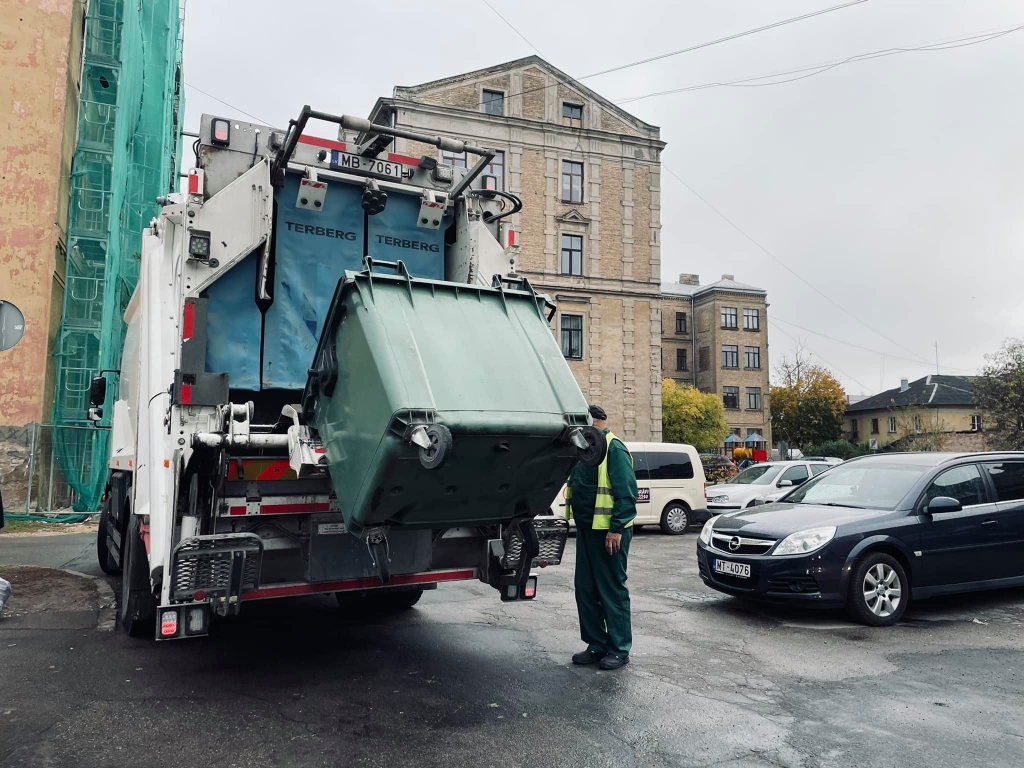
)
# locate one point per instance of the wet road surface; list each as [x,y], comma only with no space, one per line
[465,680]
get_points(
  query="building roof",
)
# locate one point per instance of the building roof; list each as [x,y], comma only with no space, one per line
[410,91]
[678,289]
[929,392]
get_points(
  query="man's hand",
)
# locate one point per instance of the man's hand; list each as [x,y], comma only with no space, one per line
[613,542]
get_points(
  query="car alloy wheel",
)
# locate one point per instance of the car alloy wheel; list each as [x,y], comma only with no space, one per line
[675,520]
[883,590]
[879,590]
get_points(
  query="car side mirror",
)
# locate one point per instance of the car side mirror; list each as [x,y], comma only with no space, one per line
[943,504]
[97,391]
[785,483]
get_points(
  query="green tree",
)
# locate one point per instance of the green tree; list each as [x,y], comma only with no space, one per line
[691,416]
[807,404]
[999,393]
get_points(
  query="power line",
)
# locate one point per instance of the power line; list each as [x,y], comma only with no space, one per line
[781,263]
[226,104]
[724,39]
[817,69]
[826,362]
[866,349]
[664,55]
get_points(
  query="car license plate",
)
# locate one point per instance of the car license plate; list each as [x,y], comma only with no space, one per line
[344,161]
[739,570]
[643,495]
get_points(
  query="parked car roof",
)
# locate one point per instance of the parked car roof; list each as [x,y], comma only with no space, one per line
[936,458]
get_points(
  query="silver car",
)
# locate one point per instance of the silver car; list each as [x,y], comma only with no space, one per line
[760,480]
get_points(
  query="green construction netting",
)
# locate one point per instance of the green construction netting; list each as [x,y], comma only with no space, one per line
[126,156]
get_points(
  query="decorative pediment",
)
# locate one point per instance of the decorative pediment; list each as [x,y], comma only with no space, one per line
[573,217]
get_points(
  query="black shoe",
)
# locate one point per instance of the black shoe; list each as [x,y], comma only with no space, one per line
[613,662]
[587,657]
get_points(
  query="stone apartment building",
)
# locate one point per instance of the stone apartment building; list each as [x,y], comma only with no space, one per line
[589,234]
[715,337]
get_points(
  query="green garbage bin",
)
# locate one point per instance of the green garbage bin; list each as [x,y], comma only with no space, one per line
[441,404]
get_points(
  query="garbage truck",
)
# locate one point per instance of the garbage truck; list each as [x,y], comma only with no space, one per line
[333,380]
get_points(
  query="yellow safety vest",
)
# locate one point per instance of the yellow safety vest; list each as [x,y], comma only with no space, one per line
[605,501]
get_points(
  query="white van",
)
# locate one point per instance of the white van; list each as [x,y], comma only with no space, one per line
[670,487]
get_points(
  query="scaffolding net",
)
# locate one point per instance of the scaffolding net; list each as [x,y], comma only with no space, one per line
[129,142]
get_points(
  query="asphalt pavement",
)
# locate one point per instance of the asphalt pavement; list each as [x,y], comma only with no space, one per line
[465,680]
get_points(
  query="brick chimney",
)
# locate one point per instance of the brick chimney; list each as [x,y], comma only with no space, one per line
[904,385]
[685,279]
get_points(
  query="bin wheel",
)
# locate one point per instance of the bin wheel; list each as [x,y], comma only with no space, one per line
[440,448]
[597,447]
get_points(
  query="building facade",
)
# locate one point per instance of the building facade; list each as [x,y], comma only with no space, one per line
[931,413]
[589,234]
[40,66]
[715,338]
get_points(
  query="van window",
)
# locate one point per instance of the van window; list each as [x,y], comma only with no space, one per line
[669,466]
[640,465]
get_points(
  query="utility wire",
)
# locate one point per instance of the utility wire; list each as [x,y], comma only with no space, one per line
[817,69]
[226,104]
[664,55]
[785,266]
[796,342]
[866,349]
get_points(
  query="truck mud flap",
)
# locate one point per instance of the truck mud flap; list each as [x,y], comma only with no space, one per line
[218,568]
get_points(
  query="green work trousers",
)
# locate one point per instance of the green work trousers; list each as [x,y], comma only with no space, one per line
[602,597]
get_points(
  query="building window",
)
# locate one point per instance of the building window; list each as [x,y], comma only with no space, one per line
[572,182]
[854,434]
[729,318]
[572,255]
[494,103]
[752,357]
[754,398]
[892,425]
[731,397]
[730,356]
[572,115]
[874,426]
[737,431]
[975,423]
[572,337]
[705,358]
[680,359]
[751,320]
[917,424]
[496,168]
[455,160]
[680,322]
[753,431]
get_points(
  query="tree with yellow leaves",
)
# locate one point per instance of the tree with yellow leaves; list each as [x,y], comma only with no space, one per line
[691,416]
[808,403]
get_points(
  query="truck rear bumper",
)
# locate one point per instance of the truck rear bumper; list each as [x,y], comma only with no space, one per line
[352,585]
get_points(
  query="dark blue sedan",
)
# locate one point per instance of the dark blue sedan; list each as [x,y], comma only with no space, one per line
[874,532]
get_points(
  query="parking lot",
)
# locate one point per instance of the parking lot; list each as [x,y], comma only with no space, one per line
[464,680]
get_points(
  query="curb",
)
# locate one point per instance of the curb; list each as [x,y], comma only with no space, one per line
[106,617]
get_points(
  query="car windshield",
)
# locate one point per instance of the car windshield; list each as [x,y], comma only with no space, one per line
[860,485]
[759,474]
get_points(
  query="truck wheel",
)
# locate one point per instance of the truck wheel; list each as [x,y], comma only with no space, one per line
[106,560]
[137,608]
[675,519]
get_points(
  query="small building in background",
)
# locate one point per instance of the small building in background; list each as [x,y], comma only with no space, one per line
[715,337]
[932,413]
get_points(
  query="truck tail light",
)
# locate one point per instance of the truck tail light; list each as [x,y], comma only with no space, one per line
[168,623]
[196,620]
[530,590]
[221,133]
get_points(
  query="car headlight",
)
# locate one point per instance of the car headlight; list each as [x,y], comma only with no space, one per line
[803,542]
[705,532]
[719,499]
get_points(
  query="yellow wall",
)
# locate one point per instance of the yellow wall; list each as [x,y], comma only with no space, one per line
[948,419]
[39,66]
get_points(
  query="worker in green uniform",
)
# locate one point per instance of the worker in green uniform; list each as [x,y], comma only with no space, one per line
[602,501]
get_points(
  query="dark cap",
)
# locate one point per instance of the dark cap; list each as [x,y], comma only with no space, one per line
[597,412]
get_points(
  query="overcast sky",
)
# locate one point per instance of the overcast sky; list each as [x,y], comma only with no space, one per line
[894,187]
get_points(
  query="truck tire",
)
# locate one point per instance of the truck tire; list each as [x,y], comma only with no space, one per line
[137,609]
[382,602]
[106,560]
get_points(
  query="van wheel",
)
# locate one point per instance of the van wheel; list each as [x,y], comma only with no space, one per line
[675,519]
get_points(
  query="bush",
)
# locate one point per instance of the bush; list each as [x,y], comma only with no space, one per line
[841,449]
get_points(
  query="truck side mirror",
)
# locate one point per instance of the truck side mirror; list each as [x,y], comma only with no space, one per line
[97,391]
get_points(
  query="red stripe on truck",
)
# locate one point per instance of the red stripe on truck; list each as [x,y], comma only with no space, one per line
[291,590]
[316,141]
[287,509]
[188,321]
